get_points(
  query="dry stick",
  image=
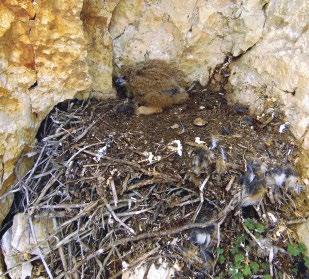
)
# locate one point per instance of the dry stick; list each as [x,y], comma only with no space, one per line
[111,183]
[148,182]
[67,163]
[50,183]
[58,134]
[125,184]
[61,252]
[137,261]
[201,197]
[59,206]
[296,221]
[110,253]
[39,249]
[109,208]
[135,166]
[230,184]
[221,216]
[271,250]
[252,236]
[84,132]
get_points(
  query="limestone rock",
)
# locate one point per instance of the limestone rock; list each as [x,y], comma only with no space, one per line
[60,54]
[43,61]
[18,243]
[303,234]
[196,34]
[5,205]
[96,16]
[16,132]
[162,270]
[13,259]
[277,67]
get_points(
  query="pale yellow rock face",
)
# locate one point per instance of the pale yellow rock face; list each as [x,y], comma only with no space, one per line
[277,67]
[60,53]
[96,16]
[17,73]
[196,34]
[303,234]
[43,61]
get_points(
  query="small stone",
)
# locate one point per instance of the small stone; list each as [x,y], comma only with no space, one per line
[199,122]
[175,126]
[202,107]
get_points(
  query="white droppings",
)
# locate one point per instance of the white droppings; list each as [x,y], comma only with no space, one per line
[178,147]
[283,127]
[280,179]
[125,265]
[199,141]
[101,153]
[272,217]
[214,143]
[202,238]
[150,156]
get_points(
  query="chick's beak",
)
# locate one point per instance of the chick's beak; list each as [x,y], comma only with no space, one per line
[120,81]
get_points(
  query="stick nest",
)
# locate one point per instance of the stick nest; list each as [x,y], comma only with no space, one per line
[120,192]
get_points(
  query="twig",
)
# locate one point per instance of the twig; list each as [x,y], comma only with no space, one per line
[61,252]
[221,216]
[39,249]
[67,163]
[230,184]
[137,261]
[109,208]
[201,198]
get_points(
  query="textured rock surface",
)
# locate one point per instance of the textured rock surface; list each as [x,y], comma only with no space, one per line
[96,16]
[276,70]
[42,62]
[160,270]
[303,234]
[197,34]
[20,241]
[60,53]
[5,205]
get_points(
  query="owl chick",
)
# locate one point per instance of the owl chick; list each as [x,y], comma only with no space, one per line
[154,84]
[253,186]
[202,161]
[280,180]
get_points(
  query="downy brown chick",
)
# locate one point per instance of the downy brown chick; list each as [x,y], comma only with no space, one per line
[154,85]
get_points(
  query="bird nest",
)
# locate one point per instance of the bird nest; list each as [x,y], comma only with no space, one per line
[121,192]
